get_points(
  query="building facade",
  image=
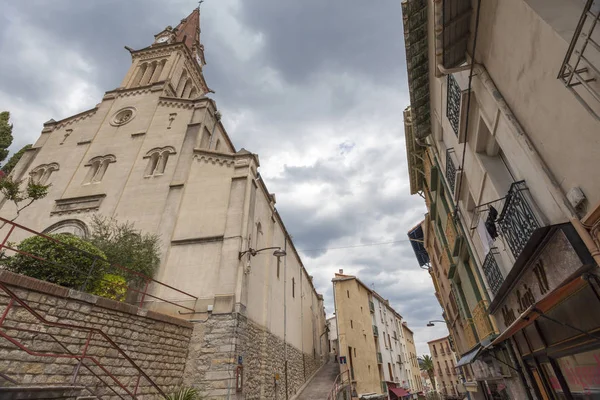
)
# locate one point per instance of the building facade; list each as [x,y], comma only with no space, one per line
[154,152]
[374,347]
[513,205]
[444,362]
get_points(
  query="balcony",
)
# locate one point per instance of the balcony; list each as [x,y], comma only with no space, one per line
[470,337]
[371,306]
[517,221]
[453,103]
[481,320]
[375,330]
[580,69]
[450,170]
[492,271]
[379,358]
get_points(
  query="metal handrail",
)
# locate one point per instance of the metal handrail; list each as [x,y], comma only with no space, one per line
[146,279]
[334,388]
[81,357]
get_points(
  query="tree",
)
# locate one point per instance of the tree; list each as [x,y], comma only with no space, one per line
[21,197]
[6,137]
[427,366]
[126,246]
[14,159]
[71,262]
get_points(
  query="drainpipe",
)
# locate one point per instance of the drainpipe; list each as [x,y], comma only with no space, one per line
[521,136]
[285,362]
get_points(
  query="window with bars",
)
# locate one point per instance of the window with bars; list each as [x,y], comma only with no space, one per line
[453,103]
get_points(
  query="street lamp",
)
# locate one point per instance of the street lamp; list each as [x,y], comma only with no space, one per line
[277,253]
[431,323]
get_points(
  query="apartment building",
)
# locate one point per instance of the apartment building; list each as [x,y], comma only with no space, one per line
[376,347]
[502,143]
[444,362]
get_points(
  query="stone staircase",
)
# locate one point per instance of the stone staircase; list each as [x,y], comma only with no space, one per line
[320,385]
[44,393]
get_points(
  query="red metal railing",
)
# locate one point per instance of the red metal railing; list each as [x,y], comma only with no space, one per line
[337,384]
[92,333]
[142,280]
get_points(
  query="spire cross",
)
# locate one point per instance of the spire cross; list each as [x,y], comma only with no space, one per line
[199,3]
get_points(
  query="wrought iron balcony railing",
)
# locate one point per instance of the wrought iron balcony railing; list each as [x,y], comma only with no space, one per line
[517,221]
[371,306]
[492,271]
[453,103]
[450,170]
[481,320]
[375,330]
[580,69]
[470,336]
[379,358]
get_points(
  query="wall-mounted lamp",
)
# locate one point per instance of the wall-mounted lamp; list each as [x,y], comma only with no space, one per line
[279,252]
[431,323]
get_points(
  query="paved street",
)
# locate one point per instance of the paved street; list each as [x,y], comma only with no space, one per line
[321,384]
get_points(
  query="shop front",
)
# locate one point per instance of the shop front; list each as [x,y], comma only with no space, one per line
[548,309]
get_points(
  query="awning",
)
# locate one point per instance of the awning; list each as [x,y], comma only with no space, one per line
[542,306]
[469,357]
[399,392]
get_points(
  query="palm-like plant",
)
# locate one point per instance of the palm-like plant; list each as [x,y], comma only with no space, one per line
[427,366]
[185,394]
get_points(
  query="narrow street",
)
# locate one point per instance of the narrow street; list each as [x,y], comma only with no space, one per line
[321,384]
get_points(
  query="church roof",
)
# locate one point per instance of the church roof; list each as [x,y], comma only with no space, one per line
[188,30]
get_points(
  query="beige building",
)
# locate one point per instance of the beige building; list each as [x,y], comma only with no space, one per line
[376,347]
[504,121]
[412,363]
[154,152]
[444,362]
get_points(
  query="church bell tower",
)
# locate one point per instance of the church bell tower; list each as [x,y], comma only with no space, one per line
[175,58]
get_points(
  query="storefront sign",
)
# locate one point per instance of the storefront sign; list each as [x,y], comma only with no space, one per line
[556,262]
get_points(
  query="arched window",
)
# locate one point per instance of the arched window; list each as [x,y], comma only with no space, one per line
[157,160]
[98,166]
[41,173]
[193,93]
[71,226]
[181,83]
[159,67]
[148,74]
[187,88]
[140,74]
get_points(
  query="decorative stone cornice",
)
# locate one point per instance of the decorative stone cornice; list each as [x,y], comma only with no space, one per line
[52,126]
[175,102]
[214,158]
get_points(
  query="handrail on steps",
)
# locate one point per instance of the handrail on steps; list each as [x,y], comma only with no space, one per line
[80,357]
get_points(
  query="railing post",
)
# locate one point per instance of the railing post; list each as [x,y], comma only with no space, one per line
[12,228]
[144,293]
[76,371]
[5,313]
[87,278]
[137,384]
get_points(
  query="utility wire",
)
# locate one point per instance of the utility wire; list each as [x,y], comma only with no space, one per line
[462,163]
[358,245]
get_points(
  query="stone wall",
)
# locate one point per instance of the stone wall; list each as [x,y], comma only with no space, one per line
[216,347]
[157,343]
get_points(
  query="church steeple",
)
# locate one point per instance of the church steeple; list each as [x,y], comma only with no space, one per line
[176,57]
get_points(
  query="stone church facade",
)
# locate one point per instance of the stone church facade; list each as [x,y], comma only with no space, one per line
[154,152]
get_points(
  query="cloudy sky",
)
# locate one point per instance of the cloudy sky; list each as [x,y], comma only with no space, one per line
[315,87]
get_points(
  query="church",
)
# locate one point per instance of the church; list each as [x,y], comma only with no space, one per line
[154,152]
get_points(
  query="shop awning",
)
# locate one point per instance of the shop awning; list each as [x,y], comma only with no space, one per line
[399,392]
[534,311]
[469,357]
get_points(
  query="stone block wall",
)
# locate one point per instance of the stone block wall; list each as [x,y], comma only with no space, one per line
[215,350]
[157,343]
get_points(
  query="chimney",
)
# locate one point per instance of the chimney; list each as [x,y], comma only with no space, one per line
[341,271]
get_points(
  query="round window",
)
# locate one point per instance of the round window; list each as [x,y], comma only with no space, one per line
[123,116]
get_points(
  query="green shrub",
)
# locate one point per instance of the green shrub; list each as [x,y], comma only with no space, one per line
[112,287]
[63,265]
